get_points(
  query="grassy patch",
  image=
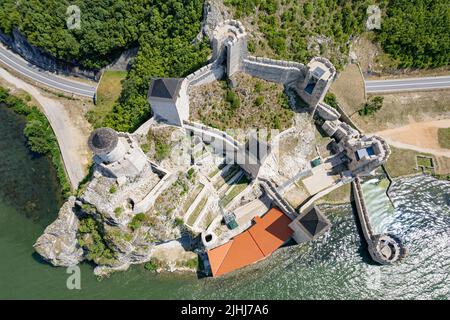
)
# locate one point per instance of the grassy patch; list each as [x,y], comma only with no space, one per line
[216,171]
[338,196]
[192,198]
[240,186]
[252,104]
[159,143]
[228,175]
[402,108]
[108,94]
[191,263]
[444,137]
[402,162]
[194,215]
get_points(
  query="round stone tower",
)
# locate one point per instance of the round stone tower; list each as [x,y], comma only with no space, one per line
[105,143]
[387,249]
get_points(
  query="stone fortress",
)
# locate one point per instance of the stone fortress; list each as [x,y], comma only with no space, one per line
[125,182]
[359,154]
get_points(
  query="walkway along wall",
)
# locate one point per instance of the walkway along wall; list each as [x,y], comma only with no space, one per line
[279,71]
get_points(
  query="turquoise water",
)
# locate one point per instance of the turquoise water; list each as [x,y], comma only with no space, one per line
[334,267]
[379,207]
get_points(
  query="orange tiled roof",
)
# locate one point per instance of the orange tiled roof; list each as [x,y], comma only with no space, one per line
[262,239]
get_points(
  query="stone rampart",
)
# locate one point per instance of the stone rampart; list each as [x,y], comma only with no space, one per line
[278,71]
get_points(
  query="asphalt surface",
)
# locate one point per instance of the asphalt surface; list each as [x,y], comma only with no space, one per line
[412,84]
[43,77]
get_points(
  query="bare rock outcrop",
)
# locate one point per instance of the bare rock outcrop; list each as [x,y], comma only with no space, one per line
[19,43]
[214,13]
[58,245]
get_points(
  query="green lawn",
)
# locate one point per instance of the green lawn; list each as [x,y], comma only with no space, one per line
[402,162]
[240,186]
[108,93]
[192,198]
[194,215]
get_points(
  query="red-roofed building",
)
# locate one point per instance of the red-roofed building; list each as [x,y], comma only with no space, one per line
[266,235]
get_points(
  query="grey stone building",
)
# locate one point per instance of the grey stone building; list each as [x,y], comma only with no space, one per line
[117,153]
[169,100]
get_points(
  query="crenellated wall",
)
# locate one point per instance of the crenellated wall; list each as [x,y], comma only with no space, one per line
[207,74]
[279,71]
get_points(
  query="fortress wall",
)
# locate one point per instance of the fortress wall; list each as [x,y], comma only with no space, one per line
[278,71]
[219,140]
[327,112]
[362,211]
[328,64]
[206,74]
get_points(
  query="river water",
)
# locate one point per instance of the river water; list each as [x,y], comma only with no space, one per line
[336,266]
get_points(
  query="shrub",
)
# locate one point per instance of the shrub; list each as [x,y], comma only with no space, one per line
[331,100]
[150,266]
[179,222]
[259,101]
[233,99]
[137,221]
[91,239]
[191,173]
[40,136]
[113,189]
[258,87]
[371,106]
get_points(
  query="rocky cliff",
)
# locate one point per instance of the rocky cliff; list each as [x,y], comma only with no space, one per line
[20,45]
[59,245]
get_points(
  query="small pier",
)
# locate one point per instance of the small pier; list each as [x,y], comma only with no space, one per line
[385,248]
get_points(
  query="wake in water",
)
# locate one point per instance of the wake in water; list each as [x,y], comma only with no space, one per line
[337,266]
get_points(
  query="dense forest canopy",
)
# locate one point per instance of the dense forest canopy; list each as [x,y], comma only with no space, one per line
[163,31]
[414,32]
[417,32]
[165,50]
[295,29]
[107,26]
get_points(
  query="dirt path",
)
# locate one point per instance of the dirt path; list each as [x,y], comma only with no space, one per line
[72,138]
[420,136]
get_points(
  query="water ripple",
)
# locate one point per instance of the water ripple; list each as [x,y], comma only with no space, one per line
[337,266]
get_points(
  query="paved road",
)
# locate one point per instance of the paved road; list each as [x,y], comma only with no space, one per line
[427,83]
[46,78]
[71,138]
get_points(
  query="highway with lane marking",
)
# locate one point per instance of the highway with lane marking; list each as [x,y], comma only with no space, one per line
[48,79]
[411,84]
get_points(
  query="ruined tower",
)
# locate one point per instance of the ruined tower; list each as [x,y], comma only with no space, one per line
[230,45]
[117,153]
[318,79]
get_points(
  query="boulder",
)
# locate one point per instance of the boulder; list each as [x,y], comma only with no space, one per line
[58,245]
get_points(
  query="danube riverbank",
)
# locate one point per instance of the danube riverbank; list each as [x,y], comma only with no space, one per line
[334,267]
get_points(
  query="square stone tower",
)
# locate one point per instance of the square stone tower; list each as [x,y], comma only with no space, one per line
[169,100]
[318,79]
[230,44]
